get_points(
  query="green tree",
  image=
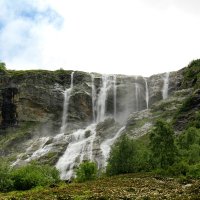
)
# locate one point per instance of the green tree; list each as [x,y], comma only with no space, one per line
[86,171]
[189,137]
[123,157]
[162,145]
[2,66]
[189,145]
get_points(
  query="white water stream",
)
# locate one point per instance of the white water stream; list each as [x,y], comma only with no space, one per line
[67,94]
[79,149]
[82,144]
[146,93]
[165,86]
[106,145]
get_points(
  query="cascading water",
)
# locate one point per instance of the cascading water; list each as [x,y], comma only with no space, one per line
[67,94]
[79,149]
[115,96]
[165,86]
[146,93]
[81,146]
[93,99]
[85,144]
[136,95]
[106,145]
[101,101]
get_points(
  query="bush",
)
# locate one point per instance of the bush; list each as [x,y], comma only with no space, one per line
[86,171]
[162,145]
[33,175]
[2,66]
[122,156]
[6,183]
[194,171]
[179,169]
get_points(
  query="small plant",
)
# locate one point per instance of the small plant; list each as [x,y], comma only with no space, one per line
[32,175]
[6,183]
[86,171]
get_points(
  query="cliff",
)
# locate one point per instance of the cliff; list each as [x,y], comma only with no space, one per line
[63,117]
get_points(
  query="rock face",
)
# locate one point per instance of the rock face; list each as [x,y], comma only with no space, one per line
[99,109]
[9,108]
[40,94]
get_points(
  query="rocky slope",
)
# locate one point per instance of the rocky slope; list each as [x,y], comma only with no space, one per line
[100,109]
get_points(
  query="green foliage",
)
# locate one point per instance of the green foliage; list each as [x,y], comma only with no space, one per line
[189,145]
[6,183]
[86,171]
[162,145]
[126,157]
[178,169]
[121,158]
[2,66]
[33,175]
[196,121]
[192,74]
[194,171]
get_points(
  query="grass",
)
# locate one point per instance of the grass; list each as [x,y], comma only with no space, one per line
[129,186]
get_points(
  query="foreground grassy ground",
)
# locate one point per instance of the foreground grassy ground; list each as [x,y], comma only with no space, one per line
[130,186]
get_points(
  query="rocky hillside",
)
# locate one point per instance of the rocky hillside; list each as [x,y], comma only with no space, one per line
[100,109]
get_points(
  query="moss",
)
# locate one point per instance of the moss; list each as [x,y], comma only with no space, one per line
[50,158]
[187,113]
[137,124]
[191,75]
[14,136]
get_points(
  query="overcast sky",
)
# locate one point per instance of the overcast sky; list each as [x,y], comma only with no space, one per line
[137,37]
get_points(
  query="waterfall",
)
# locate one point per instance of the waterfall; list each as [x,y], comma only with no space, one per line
[93,98]
[136,95]
[146,93]
[67,94]
[80,145]
[106,145]
[115,96]
[101,101]
[86,143]
[79,149]
[165,86]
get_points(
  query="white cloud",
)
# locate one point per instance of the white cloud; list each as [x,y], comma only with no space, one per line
[108,36]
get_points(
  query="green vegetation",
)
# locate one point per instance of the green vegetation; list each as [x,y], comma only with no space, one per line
[6,182]
[86,171]
[162,145]
[11,140]
[192,74]
[126,157]
[163,152]
[128,186]
[26,177]
[2,66]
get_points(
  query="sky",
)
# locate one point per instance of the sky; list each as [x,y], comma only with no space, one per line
[135,37]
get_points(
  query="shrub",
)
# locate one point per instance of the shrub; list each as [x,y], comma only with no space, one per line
[2,66]
[179,169]
[86,171]
[6,183]
[162,145]
[194,171]
[123,157]
[33,175]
